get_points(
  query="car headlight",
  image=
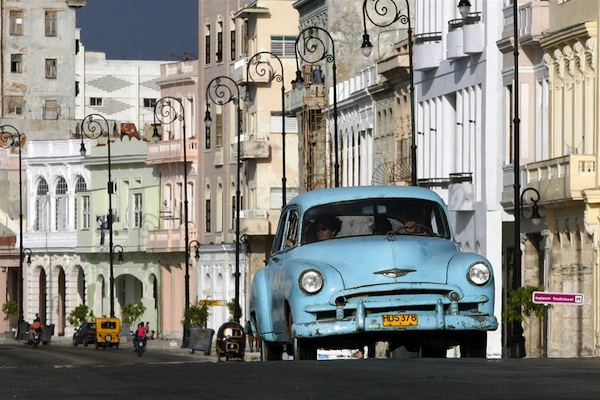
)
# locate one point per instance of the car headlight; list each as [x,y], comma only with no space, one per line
[311,281]
[479,274]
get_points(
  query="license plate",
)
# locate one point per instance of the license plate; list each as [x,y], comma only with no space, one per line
[400,320]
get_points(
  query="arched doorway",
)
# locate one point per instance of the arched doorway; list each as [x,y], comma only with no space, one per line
[99,296]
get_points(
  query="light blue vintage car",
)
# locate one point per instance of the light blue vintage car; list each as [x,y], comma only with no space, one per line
[351,267]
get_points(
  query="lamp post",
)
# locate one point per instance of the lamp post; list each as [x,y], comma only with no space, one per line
[387,16]
[314,50]
[9,137]
[517,329]
[262,69]
[224,90]
[168,110]
[94,126]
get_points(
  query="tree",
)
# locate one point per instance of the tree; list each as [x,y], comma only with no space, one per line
[520,304]
[80,314]
[131,313]
[10,310]
[196,316]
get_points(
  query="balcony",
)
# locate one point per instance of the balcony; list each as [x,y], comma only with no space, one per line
[37,241]
[427,51]
[168,240]
[465,36]
[535,20]
[170,151]
[254,222]
[558,179]
[461,193]
[254,147]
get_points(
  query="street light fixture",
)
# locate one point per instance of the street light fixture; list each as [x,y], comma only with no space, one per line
[224,90]
[535,212]
[9,137]
[263,68]
[386,16]
[168,110]
[197,252]
[94,126]
[464,7]
[314,50]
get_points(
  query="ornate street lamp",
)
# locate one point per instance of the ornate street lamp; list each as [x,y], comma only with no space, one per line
[197,251]
[384,17]
[224,90]
[9,137]
[313,50]
[535,212]
[168,110]
[94,126]
[263,68]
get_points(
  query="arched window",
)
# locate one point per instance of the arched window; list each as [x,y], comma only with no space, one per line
[42,207]
[82,205]
[61,205]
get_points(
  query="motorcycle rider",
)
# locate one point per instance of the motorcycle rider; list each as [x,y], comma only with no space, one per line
[36,326]
[140,334]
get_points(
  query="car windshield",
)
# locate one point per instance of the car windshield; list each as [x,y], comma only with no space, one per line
[367,217]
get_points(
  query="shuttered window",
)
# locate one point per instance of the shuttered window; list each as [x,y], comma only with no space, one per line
[283,46]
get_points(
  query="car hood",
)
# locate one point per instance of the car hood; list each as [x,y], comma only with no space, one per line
[371,260]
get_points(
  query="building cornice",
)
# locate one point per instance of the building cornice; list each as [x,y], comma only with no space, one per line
[571,33]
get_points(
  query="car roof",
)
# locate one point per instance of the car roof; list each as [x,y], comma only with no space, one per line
[325,196]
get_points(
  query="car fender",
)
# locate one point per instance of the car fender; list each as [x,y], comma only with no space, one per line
[457,275]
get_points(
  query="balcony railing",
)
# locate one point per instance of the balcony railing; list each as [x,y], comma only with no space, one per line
[169,151]
[169,240]
[557,179]
[254,222]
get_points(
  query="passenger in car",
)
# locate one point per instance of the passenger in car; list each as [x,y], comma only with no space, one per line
[326,226]
[382,225]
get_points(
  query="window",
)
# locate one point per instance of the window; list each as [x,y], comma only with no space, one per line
[207,220]
[220,42]
[219,129]
[51,68]
[137,211]
[96,101]
[232,44]
[207,131]
[16,23]
[283,46]
[61,205]
[207,44]
[41,206]
[50,23]
[16,63]
[51,109]
[81,186]
[14,105]
[149,103]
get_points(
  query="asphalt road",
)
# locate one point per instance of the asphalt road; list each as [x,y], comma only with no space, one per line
[62,372]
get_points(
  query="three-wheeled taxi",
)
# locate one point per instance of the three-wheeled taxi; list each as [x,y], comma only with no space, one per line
[231,341]
[107,332]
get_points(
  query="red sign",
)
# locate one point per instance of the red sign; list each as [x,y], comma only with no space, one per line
[558,298]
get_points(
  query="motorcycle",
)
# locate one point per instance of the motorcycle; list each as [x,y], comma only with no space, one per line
[37,338]
[140,346]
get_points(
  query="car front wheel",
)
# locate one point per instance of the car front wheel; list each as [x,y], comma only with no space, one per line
[75,342]
[474,345]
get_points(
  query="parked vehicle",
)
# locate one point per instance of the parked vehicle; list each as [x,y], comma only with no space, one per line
[85,334]
[231,341]
[108,332]
[351,267]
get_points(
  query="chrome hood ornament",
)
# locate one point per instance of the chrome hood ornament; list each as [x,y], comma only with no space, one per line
[395,272]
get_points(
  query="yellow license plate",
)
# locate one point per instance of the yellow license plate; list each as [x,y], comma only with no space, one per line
[400,320]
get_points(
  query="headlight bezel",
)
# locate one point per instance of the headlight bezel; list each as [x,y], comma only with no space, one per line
[479,273]
[307,280]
